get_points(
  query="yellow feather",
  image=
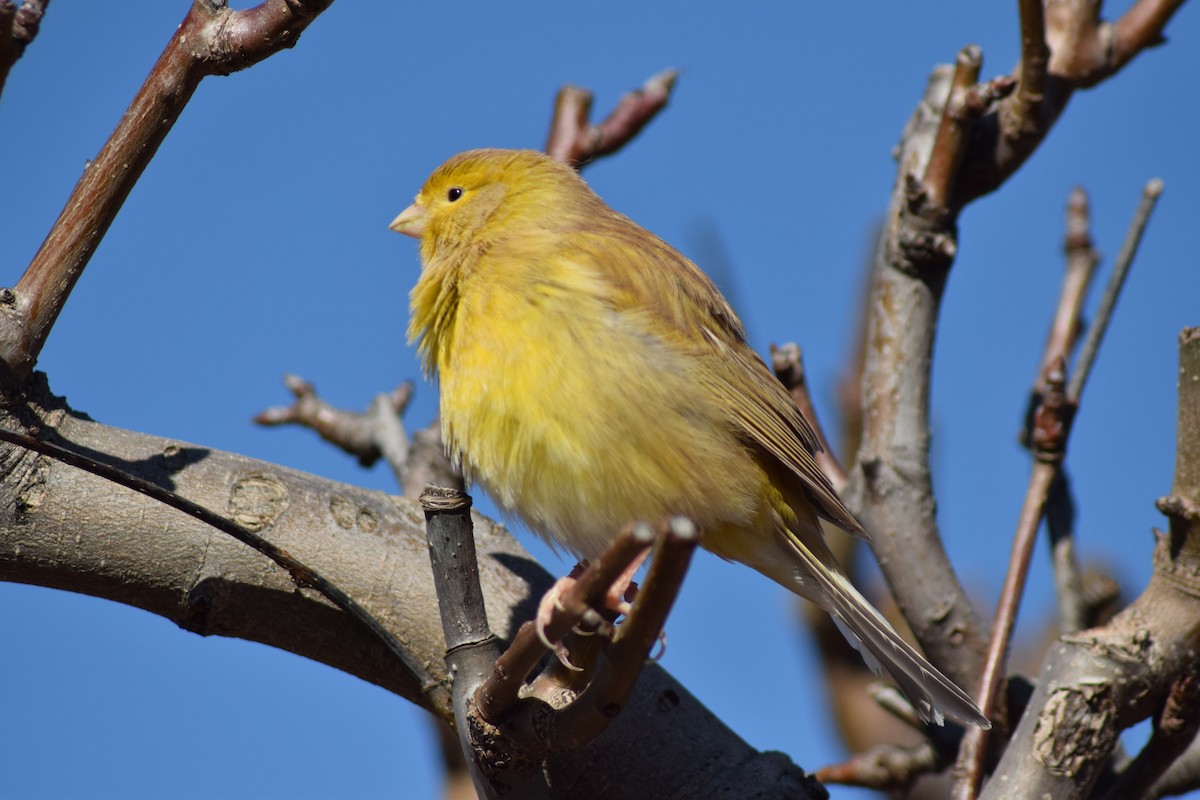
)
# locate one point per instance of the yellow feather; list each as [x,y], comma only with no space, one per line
[591,375]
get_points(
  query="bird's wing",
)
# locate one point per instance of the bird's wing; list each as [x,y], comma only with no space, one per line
[763,413]
[689,309]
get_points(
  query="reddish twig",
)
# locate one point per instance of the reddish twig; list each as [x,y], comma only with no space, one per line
[212,40]
[1082,259]
[1108,302]
[1051,430]
[499,693]
[575,141]
[954,130]
[888,768]
[608,692]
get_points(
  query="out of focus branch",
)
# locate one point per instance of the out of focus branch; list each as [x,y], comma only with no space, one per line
[1051,430]
[1073,612]
[1083,51]
[576,141]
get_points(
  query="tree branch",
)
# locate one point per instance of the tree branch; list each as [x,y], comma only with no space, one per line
[1096,683]
[63,528]
[18,27]
[212,40]
[890,488]
[575,141]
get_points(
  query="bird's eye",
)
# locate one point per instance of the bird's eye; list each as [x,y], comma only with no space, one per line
[454,193]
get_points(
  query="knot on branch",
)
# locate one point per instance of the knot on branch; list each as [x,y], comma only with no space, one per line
[1049,425]
[442,499]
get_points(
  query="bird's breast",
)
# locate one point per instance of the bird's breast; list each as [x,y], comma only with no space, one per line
[577,417]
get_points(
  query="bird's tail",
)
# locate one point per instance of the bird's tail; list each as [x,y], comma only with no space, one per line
[933,695]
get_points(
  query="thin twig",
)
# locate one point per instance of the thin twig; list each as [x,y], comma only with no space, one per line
[1050,431]
[18,27]
[1091,344]
[499,693]
[1082,260]
[304,576]
[974,746]
[887,768]
[354,433]
[953,132]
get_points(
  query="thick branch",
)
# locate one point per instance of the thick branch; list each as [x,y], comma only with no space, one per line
[66,529]
[1096,683]
[890,485]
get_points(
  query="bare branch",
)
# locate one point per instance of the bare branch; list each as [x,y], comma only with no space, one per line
[890,489]
[1020,114]
[1073,612]
[18,27]
[1098,682]
[67,529]
[303,575]
[212,40]
[499,693]
[573,140]
[887,768]
[1108,302]
[358,434]
[1174,729]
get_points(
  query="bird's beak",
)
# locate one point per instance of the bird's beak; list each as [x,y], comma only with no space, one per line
[410,222]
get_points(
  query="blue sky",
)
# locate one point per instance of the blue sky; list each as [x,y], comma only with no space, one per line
[257,243]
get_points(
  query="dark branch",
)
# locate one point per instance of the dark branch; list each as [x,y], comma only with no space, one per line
[18,27]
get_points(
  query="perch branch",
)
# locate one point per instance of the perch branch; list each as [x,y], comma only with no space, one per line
[303,575]
[67,529]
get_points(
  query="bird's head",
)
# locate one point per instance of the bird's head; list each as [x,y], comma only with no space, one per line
[477,195]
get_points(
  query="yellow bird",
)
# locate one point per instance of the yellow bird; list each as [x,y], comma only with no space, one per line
[592,375]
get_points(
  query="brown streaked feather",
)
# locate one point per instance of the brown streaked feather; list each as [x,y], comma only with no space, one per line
[683,298]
